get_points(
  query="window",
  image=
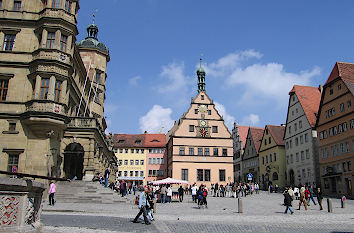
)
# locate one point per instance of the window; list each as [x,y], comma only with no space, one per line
[126,150]
[269,140]
[17,5]
[184,174]
[12,126]
[263,160]
[206,175]
[266,158]
[275,157]
[291,158]
[287,159]
[68,5]
[295,126]
[300,124]
[142,151]
[297,157]
[196,111]
[200,151]
[265,141]
[215,129]
[150,160]
[221,175]
[125,162]
[9,42]
[55,3]
[275,176]
[137,151]
[206,151]
[287,145]
[270,158]
[44,88]
[306,137]
[50,40]
[63,42]
[136,173]
[352,124]
[119,173]
[331,91]
[57,91]
[191,128]
[341,107]
[302,155]
[137,162]
[161,161]
[154,161]
[4,85]
[297,110]
[131,150]
[125,173]
[120,162]
[215,151]
[209,112]
[131,173]
[0,3]
[301,139]
[191,151]
[307,154]
[289,129]
[13,162]
[224,152]
[181,150]
[142,173]
[200,174]
[202,97]
[296,141]
[291,143]
[131,162]
[121,151]
[349,103]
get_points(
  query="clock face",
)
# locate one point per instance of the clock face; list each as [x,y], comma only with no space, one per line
[203,123]
[202,108]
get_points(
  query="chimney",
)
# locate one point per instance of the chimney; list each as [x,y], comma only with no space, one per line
[320,88]
[145,132]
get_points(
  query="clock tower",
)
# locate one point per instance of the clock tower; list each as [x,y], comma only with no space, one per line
[200,147]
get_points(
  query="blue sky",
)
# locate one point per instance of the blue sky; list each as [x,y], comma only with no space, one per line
[253,51]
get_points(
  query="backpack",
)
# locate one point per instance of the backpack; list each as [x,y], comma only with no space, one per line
[205,193]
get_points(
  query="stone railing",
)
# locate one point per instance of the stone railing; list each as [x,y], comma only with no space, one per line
[46,106]
[77,122]
[20,205]
[58,13]
[52,54]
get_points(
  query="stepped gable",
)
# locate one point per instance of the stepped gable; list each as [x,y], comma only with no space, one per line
[277,133]
[309,98]
[257,134]
[243,130]
[345,71]
[129,140]
[155,140]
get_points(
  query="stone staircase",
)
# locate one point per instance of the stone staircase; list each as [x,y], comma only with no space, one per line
[86,192]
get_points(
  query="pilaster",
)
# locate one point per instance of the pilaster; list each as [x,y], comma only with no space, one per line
[37,87]
[51,88]
[44,38]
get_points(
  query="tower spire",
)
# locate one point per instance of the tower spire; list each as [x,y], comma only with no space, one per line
[201,76]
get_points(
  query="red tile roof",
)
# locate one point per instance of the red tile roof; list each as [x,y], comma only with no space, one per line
[155,140]
[277,133]
[256,134]
[129,140]
[243,130]
[310,98]
[345,71]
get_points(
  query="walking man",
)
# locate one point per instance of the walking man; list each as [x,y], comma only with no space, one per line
[288,202]
[52,190]
[106,176]
[180,193]
[143,206]
[311,196]
[319,198]
[163,194]
[194,193]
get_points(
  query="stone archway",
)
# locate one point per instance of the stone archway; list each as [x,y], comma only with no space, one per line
[74,161]
[292,177]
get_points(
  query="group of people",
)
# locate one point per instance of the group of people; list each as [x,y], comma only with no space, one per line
[199,195]
[306,195]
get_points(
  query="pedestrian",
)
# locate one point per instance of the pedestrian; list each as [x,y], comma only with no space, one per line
[302,198]
[256,186]
[134,189]
[200,196]
[143,205]
[52,190]
[205,194]
[123,187]
[307,196]
[194,193]
[150,198]
[169,194]
[212,189]
[163,194]
[319,198]
[216,194]
[180,193]
[106,176]
[311,195]
[288,202]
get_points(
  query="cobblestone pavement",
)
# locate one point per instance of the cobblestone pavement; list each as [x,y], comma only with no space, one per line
[261,213]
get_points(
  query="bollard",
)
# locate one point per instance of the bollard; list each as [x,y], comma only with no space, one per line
[154,211]
[240,209]
[329,205]
[342,201]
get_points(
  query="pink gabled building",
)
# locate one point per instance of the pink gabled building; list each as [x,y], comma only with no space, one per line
[156,162]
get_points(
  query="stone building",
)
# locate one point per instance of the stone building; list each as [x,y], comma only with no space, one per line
[52,92]
[250,157]
[272,162]
[301,136]
[239,135]
[156,161]
[335,126]
[199,145]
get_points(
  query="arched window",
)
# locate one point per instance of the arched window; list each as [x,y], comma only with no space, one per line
[275,176]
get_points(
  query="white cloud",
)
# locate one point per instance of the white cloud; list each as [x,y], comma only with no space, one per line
[251,120]
[110,108]
[134,80]
[229,120]
[173,72]
[156,120]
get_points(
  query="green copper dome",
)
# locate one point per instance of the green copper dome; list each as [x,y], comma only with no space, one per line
[201,70]
[91,40]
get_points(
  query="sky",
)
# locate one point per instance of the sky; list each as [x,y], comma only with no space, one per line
[253,52]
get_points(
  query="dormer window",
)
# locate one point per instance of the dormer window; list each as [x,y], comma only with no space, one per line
[155,140]
[202,97]
[138,142]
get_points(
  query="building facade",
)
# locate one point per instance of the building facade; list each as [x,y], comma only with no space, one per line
[301,136]
[52,101]
[272,162]
[250,158]
[239,135]
[156,161]
[335,126]
[199,146]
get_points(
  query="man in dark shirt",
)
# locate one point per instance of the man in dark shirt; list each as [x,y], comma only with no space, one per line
[180,193]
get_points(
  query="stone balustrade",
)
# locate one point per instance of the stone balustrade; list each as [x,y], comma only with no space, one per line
[46,106]
[20,205]
[52,54]
[58,13]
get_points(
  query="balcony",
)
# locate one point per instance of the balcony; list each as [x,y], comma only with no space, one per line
[52,54]
[58,13]
[46,106]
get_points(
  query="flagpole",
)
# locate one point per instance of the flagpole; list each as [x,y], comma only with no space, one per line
[93,98]
[88,98]
[83,90]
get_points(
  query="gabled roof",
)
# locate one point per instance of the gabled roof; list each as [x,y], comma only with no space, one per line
[129,140]
[256,134]
[277,133]
[344,70]
[242,131]
[155,140]
[309,98]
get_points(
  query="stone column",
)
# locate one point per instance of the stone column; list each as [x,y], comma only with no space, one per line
[37,87]
[51,88]
[57,39]
[89,166]
[68,44]
[2,35]
[44,38]
[63,94]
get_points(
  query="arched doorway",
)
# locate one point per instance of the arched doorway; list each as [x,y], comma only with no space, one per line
[292,177]
[74,161]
